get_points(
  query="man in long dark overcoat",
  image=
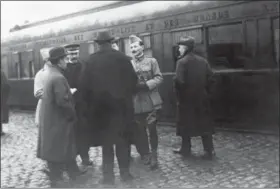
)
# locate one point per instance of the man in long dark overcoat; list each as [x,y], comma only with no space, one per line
[57,119]
[108,81]
[83,131]
[191,81]
[5,90]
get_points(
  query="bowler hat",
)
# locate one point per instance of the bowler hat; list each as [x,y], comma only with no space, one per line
[104,36]
[57,52]
[187,41]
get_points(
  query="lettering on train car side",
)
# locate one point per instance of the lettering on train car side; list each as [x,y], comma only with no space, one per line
[173,23]
[52,41]
[79,37]
[270,8]
[205,16]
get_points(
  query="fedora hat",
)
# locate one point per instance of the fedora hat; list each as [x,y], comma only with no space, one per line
[187,41]
[57,52]
[104,36]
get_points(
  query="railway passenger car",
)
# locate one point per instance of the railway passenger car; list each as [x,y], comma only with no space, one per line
[239,38]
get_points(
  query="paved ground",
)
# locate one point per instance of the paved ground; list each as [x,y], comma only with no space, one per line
[243,160]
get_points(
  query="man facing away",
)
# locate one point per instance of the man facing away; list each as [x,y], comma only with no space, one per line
[108,81]
[73,74]
[57,119]
[192,78]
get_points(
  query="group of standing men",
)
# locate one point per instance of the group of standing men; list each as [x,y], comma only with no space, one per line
[112,99]
[94,104]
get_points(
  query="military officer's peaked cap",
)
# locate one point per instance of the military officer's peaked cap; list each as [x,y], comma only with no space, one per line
[72,48]
[187,41]
[133,39]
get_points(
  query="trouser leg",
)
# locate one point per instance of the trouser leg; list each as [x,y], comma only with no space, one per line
[207,141]
[122,153]
[141,138]
[153,136]
[186,144]
[108,162]
[55,171]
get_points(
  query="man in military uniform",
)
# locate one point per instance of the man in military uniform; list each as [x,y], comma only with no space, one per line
[108,80]
[147,101]
[192,78]
[72,74]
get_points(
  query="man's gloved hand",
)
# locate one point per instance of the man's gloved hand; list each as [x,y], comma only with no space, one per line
[142,87]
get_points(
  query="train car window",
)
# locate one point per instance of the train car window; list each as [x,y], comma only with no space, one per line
[14,67]
[225,46]
[4,65]
[276,40]
[127,50]
[31,69]
[251,37]
[26,64]
[91,47]
[147,45]
[225,34]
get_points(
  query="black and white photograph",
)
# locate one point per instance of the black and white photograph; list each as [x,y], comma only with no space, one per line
[140,94]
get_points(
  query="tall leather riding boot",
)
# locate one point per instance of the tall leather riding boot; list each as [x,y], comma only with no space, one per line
[142,143]
[207,141]
[153,138]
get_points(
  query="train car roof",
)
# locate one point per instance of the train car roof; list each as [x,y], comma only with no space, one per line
[109,18]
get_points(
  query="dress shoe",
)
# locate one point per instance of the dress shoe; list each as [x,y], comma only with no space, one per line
[126,177]
[108,180]
[182,152]
[209,155]
[146,159]
[73,174]
[87,162]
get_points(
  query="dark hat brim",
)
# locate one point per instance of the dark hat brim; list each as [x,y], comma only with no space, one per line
[104,40]
[72,46]
[57,57]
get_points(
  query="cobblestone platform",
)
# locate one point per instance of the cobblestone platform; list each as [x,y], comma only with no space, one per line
[243,160]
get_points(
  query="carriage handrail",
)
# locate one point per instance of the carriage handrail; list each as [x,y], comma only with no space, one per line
[226,71]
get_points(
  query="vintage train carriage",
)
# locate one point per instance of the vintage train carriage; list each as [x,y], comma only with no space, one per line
[239,38]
